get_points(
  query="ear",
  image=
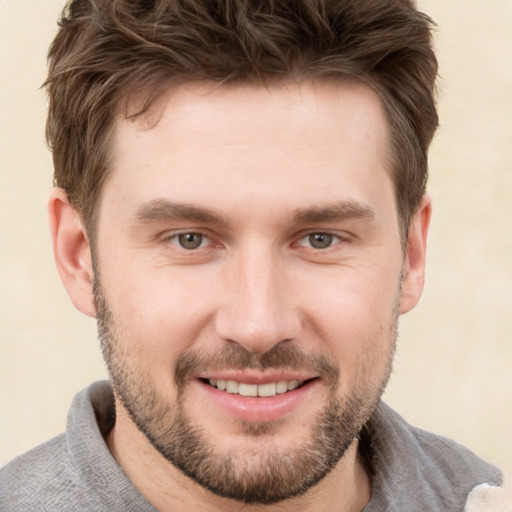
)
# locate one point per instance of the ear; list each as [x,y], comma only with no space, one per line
[413,269]
[71,251]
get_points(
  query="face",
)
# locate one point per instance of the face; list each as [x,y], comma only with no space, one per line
[247,280]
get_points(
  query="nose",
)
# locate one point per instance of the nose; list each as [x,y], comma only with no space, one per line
[258,309]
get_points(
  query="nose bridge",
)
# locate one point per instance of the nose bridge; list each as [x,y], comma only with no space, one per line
[259,311]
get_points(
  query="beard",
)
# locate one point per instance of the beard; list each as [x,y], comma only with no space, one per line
[248,475]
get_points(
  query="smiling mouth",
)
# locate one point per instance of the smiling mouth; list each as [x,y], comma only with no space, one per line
[255,390]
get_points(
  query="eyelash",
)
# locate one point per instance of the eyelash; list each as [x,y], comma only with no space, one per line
[174,239]
[332,238]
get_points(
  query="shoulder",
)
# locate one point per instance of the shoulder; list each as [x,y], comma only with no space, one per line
[452,459]
[74,471]
[39,479]
[451,470]
[452,462]
[423,469]
[50,477]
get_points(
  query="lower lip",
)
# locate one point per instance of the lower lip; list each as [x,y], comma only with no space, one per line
[258,409]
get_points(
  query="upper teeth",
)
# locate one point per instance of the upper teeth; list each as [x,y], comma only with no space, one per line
[241,388]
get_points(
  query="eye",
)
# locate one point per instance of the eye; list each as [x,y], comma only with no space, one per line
[190,241]
[319,240]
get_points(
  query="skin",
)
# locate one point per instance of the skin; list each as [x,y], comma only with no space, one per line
[276,163]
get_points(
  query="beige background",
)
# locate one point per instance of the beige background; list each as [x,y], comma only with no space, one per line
[453,368]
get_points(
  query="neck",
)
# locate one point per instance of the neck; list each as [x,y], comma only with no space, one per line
[345,489]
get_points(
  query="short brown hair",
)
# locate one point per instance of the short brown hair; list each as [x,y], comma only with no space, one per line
[107,50]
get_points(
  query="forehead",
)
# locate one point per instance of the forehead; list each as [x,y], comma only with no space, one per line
[257,111]
[298,142]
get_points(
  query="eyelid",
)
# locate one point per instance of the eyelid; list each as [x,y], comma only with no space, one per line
[170,236]
[304,238]
[339,236]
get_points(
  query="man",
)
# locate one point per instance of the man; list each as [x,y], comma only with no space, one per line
[241,204]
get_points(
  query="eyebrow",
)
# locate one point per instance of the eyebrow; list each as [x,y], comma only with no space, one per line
[344,210]
[165,210]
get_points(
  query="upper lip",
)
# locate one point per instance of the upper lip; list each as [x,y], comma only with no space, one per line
[257,377]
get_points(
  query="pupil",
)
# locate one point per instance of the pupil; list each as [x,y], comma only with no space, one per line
[190,240]
[320,240]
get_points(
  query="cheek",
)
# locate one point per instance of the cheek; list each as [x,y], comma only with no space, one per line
[158,315]
[355,319]
[162,311]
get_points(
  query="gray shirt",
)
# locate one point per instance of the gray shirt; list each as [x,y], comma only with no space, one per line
[412,470]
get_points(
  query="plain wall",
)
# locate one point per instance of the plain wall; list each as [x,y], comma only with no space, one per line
[453,367]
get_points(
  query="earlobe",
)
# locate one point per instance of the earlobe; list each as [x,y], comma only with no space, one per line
[71,251]
[413,270]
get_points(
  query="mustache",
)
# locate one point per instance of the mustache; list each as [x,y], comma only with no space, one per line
[236,357]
